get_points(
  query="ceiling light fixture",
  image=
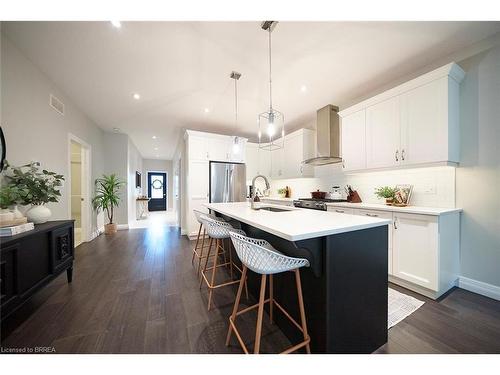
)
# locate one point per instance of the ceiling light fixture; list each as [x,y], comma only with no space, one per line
[116,24]
[156,149]
[303,88]
[236,142]
[136,96]
[207,110]
[154,137]
[272,122]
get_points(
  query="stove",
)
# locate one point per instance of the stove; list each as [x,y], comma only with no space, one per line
[315,204]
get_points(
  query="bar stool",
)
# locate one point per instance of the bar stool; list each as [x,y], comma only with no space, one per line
[260,257]
[198,250]
[219,231]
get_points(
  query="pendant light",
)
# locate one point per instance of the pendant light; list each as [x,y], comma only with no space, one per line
[271,123]
[236,142]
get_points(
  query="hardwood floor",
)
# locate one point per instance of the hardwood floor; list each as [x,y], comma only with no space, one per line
[136,292]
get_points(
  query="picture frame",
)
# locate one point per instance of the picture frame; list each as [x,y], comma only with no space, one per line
[403,195]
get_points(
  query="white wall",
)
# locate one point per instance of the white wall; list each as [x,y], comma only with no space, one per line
[134,164]
[34,131]
[157,165]
[478,177]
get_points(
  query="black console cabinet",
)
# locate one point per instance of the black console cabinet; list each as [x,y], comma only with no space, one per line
[30,260]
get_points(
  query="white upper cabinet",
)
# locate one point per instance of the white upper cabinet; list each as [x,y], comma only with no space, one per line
[427,132]
[218,148]
[353,141]
[197,148]
[416,123]
[277,163]
[299,146]
[383,134]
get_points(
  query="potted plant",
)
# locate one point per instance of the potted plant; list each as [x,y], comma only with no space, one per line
[9,196]
[282,192]
[106,198]
[387,193]
[35,188]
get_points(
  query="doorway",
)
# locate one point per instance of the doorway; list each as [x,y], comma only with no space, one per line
[157,191]
[79,178]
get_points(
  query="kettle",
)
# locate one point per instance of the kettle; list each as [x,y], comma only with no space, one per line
[336,193]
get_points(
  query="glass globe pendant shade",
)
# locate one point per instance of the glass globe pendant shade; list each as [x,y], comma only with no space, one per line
[271,130]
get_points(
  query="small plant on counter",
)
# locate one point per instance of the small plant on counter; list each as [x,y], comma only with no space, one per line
[9,196]
[387,193]
[282,192]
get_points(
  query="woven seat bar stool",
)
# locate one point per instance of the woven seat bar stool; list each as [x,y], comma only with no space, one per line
[260,257]
[200,246]
[218,231]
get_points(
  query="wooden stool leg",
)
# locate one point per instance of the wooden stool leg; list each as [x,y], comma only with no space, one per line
[271,298]
[302,311]
[201,253]
[212,281]
[206,260]
[229,248]
[258,331]
[237,302]
[196,245]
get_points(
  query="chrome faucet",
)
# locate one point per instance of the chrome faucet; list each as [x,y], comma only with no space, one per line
[253,185]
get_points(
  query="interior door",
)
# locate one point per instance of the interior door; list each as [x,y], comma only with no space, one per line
[157,191]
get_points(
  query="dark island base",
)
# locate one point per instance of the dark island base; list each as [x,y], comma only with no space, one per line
[345,289]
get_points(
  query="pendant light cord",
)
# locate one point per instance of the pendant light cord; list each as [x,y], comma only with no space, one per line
[270,80]
[236,104]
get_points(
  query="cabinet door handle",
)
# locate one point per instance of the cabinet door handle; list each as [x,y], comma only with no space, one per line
[371,215]
[343,163]
[208,157]
[397,155]
[340,211]
[403,154]
[395,225]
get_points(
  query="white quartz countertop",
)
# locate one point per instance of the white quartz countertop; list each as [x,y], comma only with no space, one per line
[296,223]
[408,209]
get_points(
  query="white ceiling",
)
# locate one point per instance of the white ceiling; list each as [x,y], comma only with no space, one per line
[180,68]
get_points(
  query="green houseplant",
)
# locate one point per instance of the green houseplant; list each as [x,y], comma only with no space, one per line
[387,193]
[35,187]
[107,197]
[9,196]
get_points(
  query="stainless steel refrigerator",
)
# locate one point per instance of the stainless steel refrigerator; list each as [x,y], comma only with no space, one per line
[227,182]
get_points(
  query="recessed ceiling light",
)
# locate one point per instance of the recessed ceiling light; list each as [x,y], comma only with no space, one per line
[116,130]
[156,148]
[303,88]
[116,24]
[136,96]
[207,110]
[154,137]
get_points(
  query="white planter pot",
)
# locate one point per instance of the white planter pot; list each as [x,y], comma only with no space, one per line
[38,214]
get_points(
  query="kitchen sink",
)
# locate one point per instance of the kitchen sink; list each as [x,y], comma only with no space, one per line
[274,209]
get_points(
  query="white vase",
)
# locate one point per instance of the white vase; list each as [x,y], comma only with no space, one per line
[38,214]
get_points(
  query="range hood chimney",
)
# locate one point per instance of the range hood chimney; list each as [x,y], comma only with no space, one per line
[327,137]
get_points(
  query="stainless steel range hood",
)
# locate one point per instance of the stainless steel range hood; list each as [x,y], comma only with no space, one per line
[327,137]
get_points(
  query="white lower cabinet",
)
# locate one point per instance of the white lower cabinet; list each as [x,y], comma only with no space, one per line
[416,240]
[340,210]
[423,250]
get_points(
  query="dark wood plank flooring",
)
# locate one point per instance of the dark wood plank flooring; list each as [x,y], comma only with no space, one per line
[136,292]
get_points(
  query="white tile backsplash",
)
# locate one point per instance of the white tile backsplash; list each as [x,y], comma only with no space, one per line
[432,186]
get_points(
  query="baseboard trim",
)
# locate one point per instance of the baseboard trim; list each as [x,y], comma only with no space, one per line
[479,287]
[122,226]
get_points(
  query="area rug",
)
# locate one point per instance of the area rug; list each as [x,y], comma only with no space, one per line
[400,306]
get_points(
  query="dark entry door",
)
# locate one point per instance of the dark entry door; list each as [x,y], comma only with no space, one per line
[157,191]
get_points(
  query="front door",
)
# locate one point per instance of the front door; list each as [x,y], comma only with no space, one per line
[157,191]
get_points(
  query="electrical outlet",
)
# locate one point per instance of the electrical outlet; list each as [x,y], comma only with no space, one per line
[430,189]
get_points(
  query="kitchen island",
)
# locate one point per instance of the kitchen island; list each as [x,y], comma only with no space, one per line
[345,287]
